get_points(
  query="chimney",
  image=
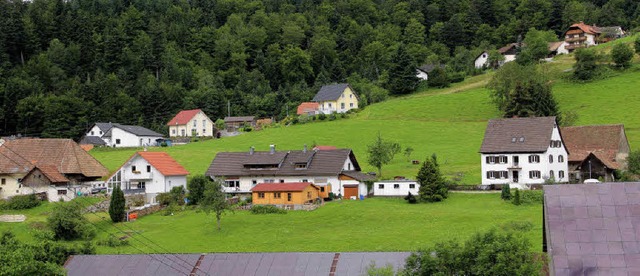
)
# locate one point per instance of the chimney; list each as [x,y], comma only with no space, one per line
[305,148]
[272,149]
[252,150]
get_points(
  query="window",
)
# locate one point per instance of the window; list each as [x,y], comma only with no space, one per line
[560,158]
[204,123]
[277,195]
[148,168]
[232,183]
[3,181]
[301,166]
[412,186]
[117,141]
[173,131]
[254,182]
[141,185]
[342,105]
[396,186]
[269,180]
[101,132]
[380,186]
[288,196]
[502,159]
[551,175]
[308,194]
[560,174]
[534,174]
[260,195]
[343,96]
[497,174]
[204,130]
[305,180]
[92,133]
[550,158]
[281,180]
[195,123]
[322,189]
[351,105]
[133,168]
[534,158]
[329,105]
[60,192]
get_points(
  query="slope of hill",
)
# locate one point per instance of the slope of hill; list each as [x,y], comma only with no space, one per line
[449,122]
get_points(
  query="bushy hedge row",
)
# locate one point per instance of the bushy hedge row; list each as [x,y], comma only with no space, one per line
[266,209]
[20,202]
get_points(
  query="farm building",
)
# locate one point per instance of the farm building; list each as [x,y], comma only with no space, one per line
[400,187]
[294,195]
[235,123]
[423,71]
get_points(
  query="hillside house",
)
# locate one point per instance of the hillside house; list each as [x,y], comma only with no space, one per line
[291,195]
[191,123]
[510,50]
[424,70]
[522,151]
[336,98]
[581,35]
[13,168]
[235,123]
[308,108]
[595,151]
[119,136]
[336,171]
[149,173]
[58,167]
[397,187]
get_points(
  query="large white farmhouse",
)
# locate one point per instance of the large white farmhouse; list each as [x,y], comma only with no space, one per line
[522,151]
[117,136]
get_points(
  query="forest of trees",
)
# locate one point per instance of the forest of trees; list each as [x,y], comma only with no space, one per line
[67,64]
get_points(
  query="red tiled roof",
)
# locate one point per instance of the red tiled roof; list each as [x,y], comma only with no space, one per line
[163,162]
[324,148]
[52,173]
[183,117]
[11,162]
[281,187]
[87,147]
[307,107]
[603,141]
[585,28]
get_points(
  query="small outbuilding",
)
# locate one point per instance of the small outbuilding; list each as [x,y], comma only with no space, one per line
[235,123]
[400,187]
[294,194]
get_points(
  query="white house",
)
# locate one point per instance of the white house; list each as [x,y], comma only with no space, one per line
[400,187]
[522,151]
[424,70]
[482,60]
[333,171]
[149,173]
[190,123]
[118,136]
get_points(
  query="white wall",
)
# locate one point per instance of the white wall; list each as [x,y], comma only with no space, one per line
[200,122]
[389,190]
[95,131]
[562,49]
[337,185]
[509,58]
[422,75]
[481,61]
[128,139]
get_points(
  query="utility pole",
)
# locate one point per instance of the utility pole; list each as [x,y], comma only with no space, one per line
[228,108]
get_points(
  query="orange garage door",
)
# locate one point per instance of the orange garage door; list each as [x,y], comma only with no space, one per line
[350,190]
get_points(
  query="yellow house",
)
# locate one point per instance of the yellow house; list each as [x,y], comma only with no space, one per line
[189,123]
[336,98]
[280,194]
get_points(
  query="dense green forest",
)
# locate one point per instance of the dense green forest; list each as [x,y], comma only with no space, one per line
[67,64]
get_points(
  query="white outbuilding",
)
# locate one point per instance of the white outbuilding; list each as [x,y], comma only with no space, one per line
[401,187]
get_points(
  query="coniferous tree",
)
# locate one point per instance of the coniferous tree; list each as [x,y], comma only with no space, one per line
[516,197]
[402,74]
[433,186]
[637,45]
[506,192]
[117,205]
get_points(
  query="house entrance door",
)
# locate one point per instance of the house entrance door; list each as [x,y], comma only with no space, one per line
[515,176]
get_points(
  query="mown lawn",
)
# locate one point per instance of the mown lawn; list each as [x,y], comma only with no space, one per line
[376,224]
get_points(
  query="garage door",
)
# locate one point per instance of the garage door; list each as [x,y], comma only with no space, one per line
[350,191]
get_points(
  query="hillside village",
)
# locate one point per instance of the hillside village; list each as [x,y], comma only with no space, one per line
[529,149]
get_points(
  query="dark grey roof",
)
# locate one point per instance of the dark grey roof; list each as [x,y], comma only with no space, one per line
[359,175]
[324,162]
[237,264]
[104,126]
[531,135]
[239,119]
[137,130]
[427,68]
[330,92]
[593,229]
[92,140]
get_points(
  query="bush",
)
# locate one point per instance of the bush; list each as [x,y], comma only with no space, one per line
[633,162]
[531,196]
[117,211]
[21,202]
[163,199]
[457,76]
[169,210]
[112,241]
[438,78]
[506,192]
[411,198]
[67,223]
[585,67]
[177,195]
[266,209]
[332,117]
[637,45]
[322,116]
[516,197]
[621,54]
[196,188]
[163,144]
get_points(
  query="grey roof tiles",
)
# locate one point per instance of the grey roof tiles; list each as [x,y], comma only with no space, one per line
[330,92]
[512,135]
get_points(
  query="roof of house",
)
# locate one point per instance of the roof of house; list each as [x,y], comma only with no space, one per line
[136,130]
[163,162]
[360,176]
[307,107]
[331,92]
[553,46]
[11,162]
[239,119]
[104,126]
[584,27]
[67,156]
[239,264]
[507,48]
[531,134]
[591,229]
[325,147]
[92,140]
[51,173]
[321,162]
[183,117]
[87,147]
[281,187]
[427,68]
[604,141]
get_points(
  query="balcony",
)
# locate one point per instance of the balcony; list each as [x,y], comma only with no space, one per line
[576,39]
[575,46]
[514,166]
[235,190]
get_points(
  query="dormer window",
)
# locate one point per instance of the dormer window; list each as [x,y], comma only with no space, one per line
[521,139]
[301,166]
[514,139]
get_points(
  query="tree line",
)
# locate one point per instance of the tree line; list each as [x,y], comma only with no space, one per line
[67,64]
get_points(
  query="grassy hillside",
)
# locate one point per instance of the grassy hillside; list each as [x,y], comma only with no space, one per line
[449,122]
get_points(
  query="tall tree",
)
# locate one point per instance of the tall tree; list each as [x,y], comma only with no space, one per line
[214,201]
[433,186]
[402,73]
[381,152]
[196,187]
[117,212]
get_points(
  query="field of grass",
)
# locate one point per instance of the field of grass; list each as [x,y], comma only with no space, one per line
[335,227]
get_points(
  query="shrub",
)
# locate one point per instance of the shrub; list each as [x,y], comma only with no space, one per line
[21,202]
[266,209]
[622,55]
[585,66]
[169,210]
[637,45]
[531,196]
[438,78]
[177,195]
[322,116]
[506,192]
[516,197]
[67,223]
[332,117]
[411,198]
[196,188]
[112,241]
[633,162]
[163,199]
[117,205]
[163,144]
[457,76]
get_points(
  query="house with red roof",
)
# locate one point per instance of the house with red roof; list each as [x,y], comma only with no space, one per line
[191,123]
[291,194]
[581,35]
[148,173]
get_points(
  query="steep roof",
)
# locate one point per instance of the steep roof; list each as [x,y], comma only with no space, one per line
[553,46]
[104,126]
[592,229]
[281,187]
[11,162]
[67,156]
[330,92]
[307,107]
[604,141]
[531,134]
[507,48]
[137,130]
[51,173]
[427,68]
[183,117]
[92,140]
[585,28]
[163,162]
[323,162]
[239,119]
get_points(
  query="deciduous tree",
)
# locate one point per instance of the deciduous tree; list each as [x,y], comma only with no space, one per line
[381,152]
[214,201]
[622,55]
[196,188]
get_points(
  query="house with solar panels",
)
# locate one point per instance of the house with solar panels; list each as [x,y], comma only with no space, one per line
[148,173]
[336,98]
[523,151]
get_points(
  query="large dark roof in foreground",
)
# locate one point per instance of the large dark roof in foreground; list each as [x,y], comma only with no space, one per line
[237,264]
[593,229]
